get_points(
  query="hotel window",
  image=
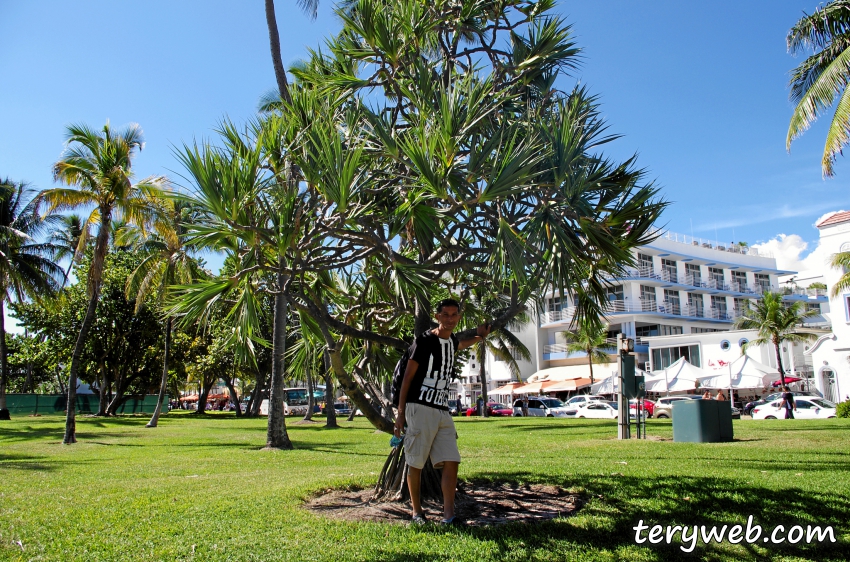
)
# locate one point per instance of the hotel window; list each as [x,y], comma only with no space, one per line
[666,356]
[763,282]
[669,269]
[739,281]
[695,275]
[615,293]
[555,304]
[672,299]
[645,263]
[695,304]
[647,298]
[716,275]
[719,305]
[741,304]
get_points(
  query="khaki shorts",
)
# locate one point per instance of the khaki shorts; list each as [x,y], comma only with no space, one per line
[430,433]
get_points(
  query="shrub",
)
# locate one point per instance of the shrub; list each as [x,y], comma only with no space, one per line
[843,409]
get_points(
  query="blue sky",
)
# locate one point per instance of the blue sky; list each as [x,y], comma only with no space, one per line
[698,91]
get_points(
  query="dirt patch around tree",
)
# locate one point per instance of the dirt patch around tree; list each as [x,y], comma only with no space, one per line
[476,503]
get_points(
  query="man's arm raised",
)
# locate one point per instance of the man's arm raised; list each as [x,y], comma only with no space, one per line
[480,333]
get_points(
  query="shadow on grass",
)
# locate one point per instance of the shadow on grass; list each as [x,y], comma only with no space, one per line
[605,526]
[37,463]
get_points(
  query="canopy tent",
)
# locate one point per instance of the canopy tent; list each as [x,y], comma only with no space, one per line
[608,385]
[678,377]
[743,372]
[529,388]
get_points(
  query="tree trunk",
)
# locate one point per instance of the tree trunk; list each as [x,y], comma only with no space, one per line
[274,44]
[330,411]
[94,284]
[163,383]
[392,482]
[102,401]
[276,436]
[234,396]
[423,321]
[4,363]
[482,376]
[777,346]
[590,363]
[311,400]
[253,408]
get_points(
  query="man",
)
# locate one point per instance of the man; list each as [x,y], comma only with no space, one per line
[788,403]
[423,404]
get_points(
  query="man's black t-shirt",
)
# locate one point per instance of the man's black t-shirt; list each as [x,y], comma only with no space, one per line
[436,359]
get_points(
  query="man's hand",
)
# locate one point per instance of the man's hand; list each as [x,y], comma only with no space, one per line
[483,330]
[399,424]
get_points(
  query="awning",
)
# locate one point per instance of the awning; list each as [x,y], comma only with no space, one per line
[570,372]
[566,386]
[507,389]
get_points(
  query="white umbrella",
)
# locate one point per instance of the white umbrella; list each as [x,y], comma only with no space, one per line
[608,385]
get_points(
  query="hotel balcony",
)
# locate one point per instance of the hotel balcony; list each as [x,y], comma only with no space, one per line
[690,282]
[663,308]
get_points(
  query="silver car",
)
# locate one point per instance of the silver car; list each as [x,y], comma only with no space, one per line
[542,406]
[664,406]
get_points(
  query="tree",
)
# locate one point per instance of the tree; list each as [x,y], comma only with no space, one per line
[98,166]
[776,322]
[822,77]
[166,261]
[591,340]
[26,268]
[71,240]
[841,260]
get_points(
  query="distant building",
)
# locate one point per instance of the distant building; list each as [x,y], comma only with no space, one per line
[830,354]
[682,286]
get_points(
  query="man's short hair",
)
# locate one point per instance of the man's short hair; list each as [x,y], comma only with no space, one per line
[447,302]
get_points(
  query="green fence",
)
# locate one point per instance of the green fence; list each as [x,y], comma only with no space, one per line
[26,404]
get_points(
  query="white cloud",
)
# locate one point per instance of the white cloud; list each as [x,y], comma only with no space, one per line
[790,253]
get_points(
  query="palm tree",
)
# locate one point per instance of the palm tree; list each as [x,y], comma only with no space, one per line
[71,240]
[26,267]
[841,260]
[822,77]
[592,340]
[776,322]
[98,166]
[166,261]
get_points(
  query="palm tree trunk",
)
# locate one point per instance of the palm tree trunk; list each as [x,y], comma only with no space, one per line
[590,363]
[311,401]
[163,383]
[234,396]
[274,44]
[4,363]
[276,436]
[776,345]
[330,410]
[482,376]
[94,285]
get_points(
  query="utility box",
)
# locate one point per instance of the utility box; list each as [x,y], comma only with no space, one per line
[702,421]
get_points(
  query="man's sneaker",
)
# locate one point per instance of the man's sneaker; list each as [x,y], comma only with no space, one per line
[418,519]
[453,522]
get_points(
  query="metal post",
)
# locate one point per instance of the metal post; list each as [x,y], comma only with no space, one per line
[622,421]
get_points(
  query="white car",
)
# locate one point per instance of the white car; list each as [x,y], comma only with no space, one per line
[583,399]
[603,410]
[808,407]
[541,406]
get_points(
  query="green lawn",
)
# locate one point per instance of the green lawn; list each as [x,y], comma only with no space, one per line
[201,489]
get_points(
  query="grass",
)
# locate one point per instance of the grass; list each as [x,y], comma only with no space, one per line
[201,489]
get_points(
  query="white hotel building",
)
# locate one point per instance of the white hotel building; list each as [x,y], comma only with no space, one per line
[681,285]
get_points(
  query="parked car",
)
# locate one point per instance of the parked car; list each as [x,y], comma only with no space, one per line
[808,407]
[663,408]
[597,409]
[341,408]
[453,407]
[583,400]
[648,406]
[493,409]
[542,406]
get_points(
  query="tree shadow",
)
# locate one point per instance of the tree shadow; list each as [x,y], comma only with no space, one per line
[621,502]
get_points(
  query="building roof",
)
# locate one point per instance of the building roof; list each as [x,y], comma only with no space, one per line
[835,218]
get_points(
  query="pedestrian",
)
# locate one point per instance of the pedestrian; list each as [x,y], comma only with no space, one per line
[788,403]
[423,405]
[706,395]
[720,395]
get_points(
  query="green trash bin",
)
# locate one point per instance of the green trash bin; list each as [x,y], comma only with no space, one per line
[702,421]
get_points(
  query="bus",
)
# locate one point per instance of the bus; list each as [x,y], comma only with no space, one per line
[295,401]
